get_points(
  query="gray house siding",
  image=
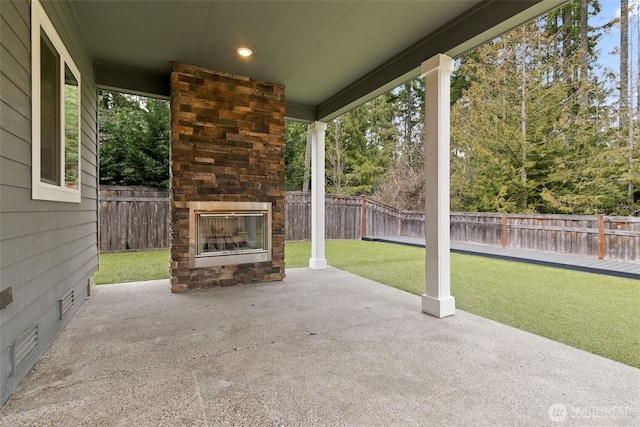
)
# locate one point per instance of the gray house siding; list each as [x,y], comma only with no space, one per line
[47,248]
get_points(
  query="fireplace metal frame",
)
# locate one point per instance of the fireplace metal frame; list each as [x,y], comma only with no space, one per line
[213,259]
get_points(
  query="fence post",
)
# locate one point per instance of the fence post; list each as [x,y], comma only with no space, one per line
[399,223]
[504,229]
[363,215]
[600,236]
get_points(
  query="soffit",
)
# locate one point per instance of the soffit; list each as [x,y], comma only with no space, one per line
[330,55]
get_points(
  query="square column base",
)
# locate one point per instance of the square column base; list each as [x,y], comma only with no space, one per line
[438,307]
[317,264]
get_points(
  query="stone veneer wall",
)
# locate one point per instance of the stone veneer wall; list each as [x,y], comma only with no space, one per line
[227,144]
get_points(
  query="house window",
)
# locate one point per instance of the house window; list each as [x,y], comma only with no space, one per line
[55,114]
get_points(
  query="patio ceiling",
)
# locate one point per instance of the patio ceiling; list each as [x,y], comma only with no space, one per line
[330,55]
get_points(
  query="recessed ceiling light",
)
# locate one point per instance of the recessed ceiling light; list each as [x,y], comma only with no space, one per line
[244,51]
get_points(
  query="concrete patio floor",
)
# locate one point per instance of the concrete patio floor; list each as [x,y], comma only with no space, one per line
[320,348]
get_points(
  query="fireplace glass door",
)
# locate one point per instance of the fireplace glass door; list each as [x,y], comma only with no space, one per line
[230,234]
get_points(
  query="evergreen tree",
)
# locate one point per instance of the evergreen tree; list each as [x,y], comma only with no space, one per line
[533,129]
[460,81]
[295,138]
[359,148]
[134,140]
[404,186]
[533,133]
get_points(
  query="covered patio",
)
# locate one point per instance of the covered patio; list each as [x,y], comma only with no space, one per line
[329,57]
[319,348]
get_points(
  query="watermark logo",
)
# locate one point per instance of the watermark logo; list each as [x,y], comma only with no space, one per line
[558,412]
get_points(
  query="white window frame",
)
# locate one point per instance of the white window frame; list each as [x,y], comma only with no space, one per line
[42,190]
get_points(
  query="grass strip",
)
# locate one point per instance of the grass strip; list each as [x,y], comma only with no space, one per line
[125,267]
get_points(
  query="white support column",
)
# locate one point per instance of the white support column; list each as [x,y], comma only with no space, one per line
[437,301]
[317,260]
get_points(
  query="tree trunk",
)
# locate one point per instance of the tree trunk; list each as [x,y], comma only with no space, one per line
[336,161]
[630,183]
[584,52]
[567,49]
[624,64]
[556,52]
[407,132]
[523,127]
[407,121]
[631,189]
[307,165]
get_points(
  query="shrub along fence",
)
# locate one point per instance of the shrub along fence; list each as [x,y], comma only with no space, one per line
[137,218]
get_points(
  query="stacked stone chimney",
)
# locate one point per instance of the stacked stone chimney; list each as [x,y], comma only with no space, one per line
[227,144]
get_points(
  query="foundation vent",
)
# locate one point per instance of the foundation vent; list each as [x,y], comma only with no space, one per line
[22,346]
[65,303]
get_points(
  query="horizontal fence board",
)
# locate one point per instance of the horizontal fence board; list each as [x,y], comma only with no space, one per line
[547,228]
[138,218]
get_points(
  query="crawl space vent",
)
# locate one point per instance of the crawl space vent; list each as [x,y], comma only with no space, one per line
[22,346]
[65,303]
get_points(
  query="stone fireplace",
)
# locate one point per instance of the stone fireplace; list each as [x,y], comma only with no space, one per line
[227,179]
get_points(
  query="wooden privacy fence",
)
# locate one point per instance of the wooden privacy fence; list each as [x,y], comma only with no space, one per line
[137,218]
[610,237]
[349,217]
[133,218]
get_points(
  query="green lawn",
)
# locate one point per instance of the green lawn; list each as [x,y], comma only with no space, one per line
[132,267]
[593,312]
